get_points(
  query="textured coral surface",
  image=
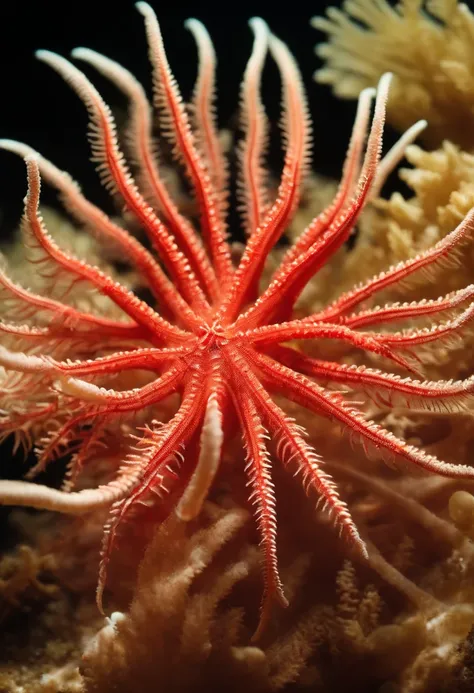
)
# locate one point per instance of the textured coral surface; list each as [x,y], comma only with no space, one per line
[427,44]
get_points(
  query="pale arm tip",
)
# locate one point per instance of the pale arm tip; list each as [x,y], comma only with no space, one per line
[145,9]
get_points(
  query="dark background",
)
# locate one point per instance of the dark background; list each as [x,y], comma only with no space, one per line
[39,109]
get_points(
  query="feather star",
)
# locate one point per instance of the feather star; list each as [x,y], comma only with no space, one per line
[211,335]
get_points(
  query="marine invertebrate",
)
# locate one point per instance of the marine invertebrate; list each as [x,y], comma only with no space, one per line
[441,186]
[94,362]
[428,46]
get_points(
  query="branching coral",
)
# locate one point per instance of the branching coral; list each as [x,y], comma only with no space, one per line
[191,605]
[21,574]
[180,603]
[397,229]
[443,185]
[44,624]
[427,44]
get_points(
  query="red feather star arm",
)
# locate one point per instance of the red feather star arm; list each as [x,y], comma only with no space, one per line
[155,467]
[350,173]
[21,303]
[288,283]
[116,176]
[296,129]
[142,150]
[441,254]
[332,405]
[169,381]
[293,447]
[404,311]
[176,125]
[385,389]
[262,496]
[98,223]
[127,301]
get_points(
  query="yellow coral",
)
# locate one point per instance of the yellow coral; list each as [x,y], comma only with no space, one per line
[393,230]
[427,44]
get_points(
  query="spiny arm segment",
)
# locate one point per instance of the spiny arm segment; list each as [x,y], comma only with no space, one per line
[413,310]
[143,153]
[262,496]
[385,389]
[297,329]
[204,117]
[176,125]
[331,405]
[25,304]
[296,128]
[350,173]
[442,254]
[292,448]
[287,285]
[252,175]
[127,301]
[116,176]
[155,463]
[99,224]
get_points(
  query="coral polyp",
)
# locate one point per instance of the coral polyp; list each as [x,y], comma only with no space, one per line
[86,360]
